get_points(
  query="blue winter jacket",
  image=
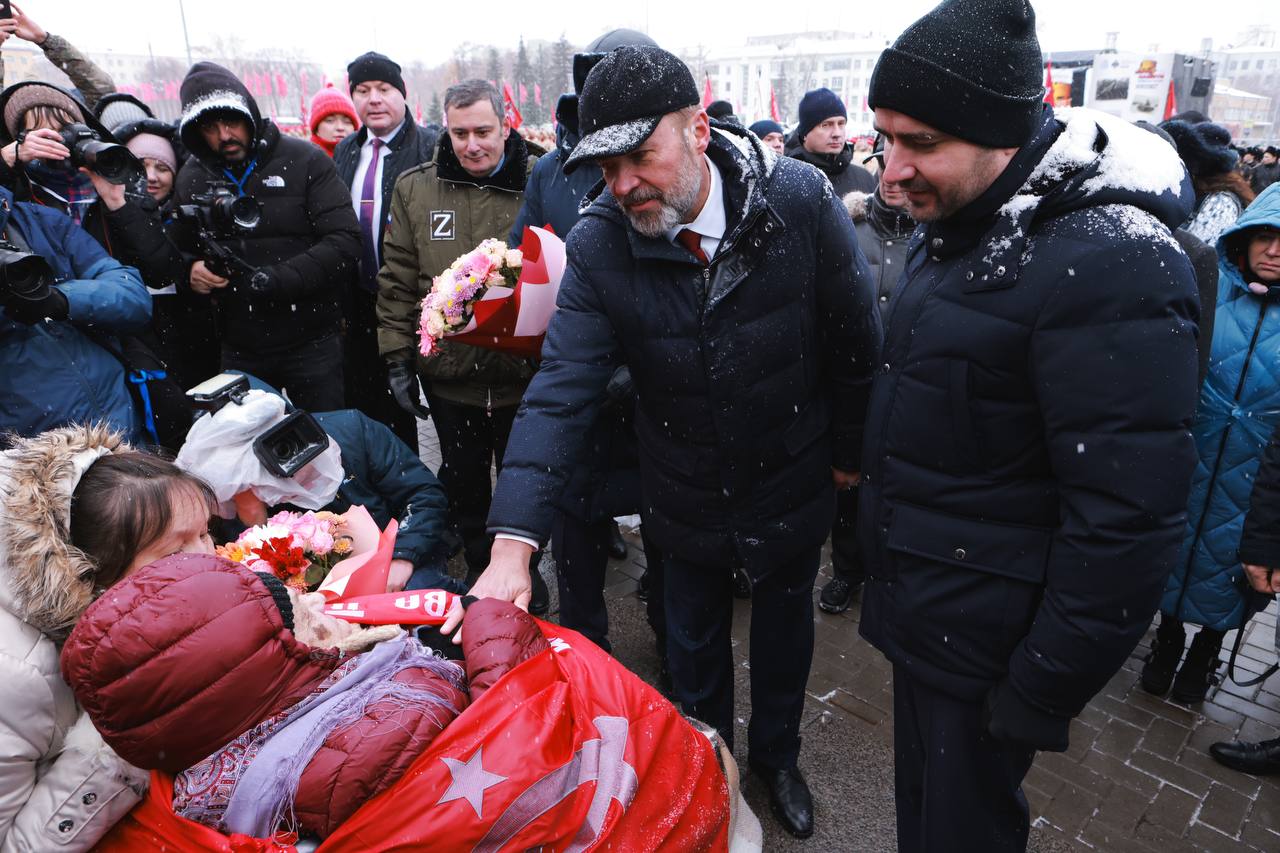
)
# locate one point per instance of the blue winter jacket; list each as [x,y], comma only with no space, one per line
[551,197]
[54,373]
[1239,407]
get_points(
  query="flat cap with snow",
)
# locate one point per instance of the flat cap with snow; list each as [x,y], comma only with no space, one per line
[624,98]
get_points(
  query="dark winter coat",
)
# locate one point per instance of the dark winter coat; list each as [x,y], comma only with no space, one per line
[883,235]
[417,247]
[387,478]
[845,175]
[1260,539]
[55,373]
[308,240]
[1239,408]
[1264,175]
[1204,261]
[552,197]
[747,397]
[413,145]
[1027,458]
[191,651]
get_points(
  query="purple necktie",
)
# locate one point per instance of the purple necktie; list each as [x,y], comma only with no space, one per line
[368,221]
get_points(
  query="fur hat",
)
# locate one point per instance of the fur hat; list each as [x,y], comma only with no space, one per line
[1205,148]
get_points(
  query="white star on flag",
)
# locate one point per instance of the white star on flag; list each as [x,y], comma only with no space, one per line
[470,780]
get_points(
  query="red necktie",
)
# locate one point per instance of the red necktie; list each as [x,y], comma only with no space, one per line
[692,241]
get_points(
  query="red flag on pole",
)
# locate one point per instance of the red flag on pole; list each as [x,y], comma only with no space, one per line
[1171,103]
[537,94]
[1048,83]
[524,93]
[512,111]
[282,86]
[417,113]
[773,105]
[707,97]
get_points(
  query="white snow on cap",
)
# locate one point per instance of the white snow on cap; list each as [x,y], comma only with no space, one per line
[613,140]
[223,99]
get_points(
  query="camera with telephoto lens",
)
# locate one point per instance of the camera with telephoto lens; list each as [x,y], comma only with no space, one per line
[285,448]
[112,161]
[221,211]
[23,275]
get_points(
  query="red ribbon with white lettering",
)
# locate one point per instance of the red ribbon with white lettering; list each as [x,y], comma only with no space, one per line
[413,607]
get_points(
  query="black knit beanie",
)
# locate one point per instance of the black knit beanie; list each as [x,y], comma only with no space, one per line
[374,66]
[279,595]
[816,107]
[970,69]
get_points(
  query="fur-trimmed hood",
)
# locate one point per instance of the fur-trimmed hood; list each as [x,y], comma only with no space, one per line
[44,580]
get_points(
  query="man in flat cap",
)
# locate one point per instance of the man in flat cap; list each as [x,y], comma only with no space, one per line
[729,281]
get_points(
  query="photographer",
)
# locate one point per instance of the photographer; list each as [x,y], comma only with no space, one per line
[140,233]
[54,326]
[277,284]
[39,162]
[364,464]
[87,77]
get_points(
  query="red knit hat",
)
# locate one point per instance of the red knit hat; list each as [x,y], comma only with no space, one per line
[330,101]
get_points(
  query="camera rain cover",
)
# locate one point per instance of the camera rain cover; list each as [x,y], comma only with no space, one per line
[220,450]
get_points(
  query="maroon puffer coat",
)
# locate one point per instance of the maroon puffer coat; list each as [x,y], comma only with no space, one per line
[180,658]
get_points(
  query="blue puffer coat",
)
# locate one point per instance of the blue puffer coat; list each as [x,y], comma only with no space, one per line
[54,374]
[551,197]
[1239,407]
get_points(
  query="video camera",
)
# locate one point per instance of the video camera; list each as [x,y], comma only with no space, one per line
[219,214]
[23,275]
[283,449]
[112,161]
[222,212]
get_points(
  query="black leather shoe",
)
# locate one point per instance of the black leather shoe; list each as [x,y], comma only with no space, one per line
[837,595]
[617,545]
[540,600]
[789,795]
[1260,759]
[741,584]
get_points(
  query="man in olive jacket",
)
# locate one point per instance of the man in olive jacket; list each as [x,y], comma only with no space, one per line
[441,210]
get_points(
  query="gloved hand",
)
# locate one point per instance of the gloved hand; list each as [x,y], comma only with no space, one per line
[262,282]
[403,380]
[52,304]
[1009,718]
[620,387]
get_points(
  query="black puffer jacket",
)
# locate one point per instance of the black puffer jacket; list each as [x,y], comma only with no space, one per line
[845,175]
[746,401]
[308,240]
[883,236]
[1027,458]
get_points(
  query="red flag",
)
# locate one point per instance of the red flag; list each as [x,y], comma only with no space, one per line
[524,93]
[773,105]
[417,113]
[512,111]
[147,93]
[707,97]
[1171,103]
[282,87]
[537,94]
[1048,83]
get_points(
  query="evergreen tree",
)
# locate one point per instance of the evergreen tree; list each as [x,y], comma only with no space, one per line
[524,76]
[560,70]
[435,112]
[494,70]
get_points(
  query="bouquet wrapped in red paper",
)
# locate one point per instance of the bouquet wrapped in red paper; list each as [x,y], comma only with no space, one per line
[496,297]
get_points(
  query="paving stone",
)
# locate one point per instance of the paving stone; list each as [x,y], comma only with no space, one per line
[1073,807]
[1120,773]
[1172,810]
[1123,808]
[1119,739]
[1171,773]
[1224,810]
[1163,840]
[1165,738]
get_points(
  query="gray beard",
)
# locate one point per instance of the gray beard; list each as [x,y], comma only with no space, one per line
[675,205]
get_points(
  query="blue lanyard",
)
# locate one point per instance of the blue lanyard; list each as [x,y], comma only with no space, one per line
[239,182]
[140,378]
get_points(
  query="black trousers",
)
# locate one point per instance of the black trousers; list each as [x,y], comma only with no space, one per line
[846,565]
[311,374]
[366,371]
[699,605]
[472,440]
[957,789]
[582,557]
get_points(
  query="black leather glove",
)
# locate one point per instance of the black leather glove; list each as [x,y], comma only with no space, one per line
[52,304]
[403,380]
[620,387]
[1009,718]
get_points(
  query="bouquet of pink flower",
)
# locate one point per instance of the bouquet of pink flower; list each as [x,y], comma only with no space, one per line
[298,548]
[495,296]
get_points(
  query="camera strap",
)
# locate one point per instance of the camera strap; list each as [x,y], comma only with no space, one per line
[240,181]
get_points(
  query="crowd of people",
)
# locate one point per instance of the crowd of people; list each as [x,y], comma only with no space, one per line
[1016,365]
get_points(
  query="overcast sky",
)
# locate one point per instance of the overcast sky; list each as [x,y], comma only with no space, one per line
[332,32]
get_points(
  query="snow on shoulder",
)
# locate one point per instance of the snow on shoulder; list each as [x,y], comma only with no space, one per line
[1134,159]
